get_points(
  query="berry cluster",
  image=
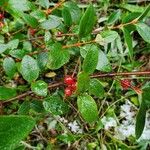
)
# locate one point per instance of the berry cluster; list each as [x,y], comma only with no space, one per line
[70,83]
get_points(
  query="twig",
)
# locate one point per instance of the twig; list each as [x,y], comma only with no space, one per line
[54,85]
[121,74]
[48,11]
[125,24]
[79,44]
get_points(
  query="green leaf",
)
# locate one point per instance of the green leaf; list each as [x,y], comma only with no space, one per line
[27,46]
[67,16]
[9,66]
[144,13]
[83,82]
[42,60]
[114,17]
[51,23]
[22,5]
[29,68]
[13,129]
[62,58]
[96,88]
[13,44]
[7,93]
[146,96]
[144,31]
[39,87]
[140,120]
[30,20]
[87,22]
[47,36]
[74,10]
[3,48]
[55,105]
[18,53]
[24,108]
[88,108]
[103,62]
[90,61]
[128,40]
[44,3]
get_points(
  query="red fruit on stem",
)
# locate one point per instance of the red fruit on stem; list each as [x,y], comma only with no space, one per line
[69,80]
[73,86]
[68,91]
[125,84]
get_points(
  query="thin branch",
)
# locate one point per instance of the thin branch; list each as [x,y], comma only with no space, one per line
[54,85]
[120,74]
[125,24]
[49,11]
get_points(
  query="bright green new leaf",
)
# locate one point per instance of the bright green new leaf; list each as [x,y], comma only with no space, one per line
[87,22]
[57,56]
[83,82]
[51,23]
[96,88]
[29,68]
[140,120]
[67,16]
[13,129]
[6,93]
[88,108]
[128,40]
[90,61]
[39,87]
[55,105]
[9,66]
[30,20]
[103,62]
[114,17]
[144,31]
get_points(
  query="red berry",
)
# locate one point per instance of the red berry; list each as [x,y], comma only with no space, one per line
[1,16]
[32,31]
[125,84]
[69,80]
[73,86]
[68,91]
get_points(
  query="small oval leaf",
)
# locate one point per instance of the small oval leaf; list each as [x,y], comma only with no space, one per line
[9,66]
[29,68]
[87,22]
[88,108]
[90,61]
[144,31]
[96,88]
[39,87]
